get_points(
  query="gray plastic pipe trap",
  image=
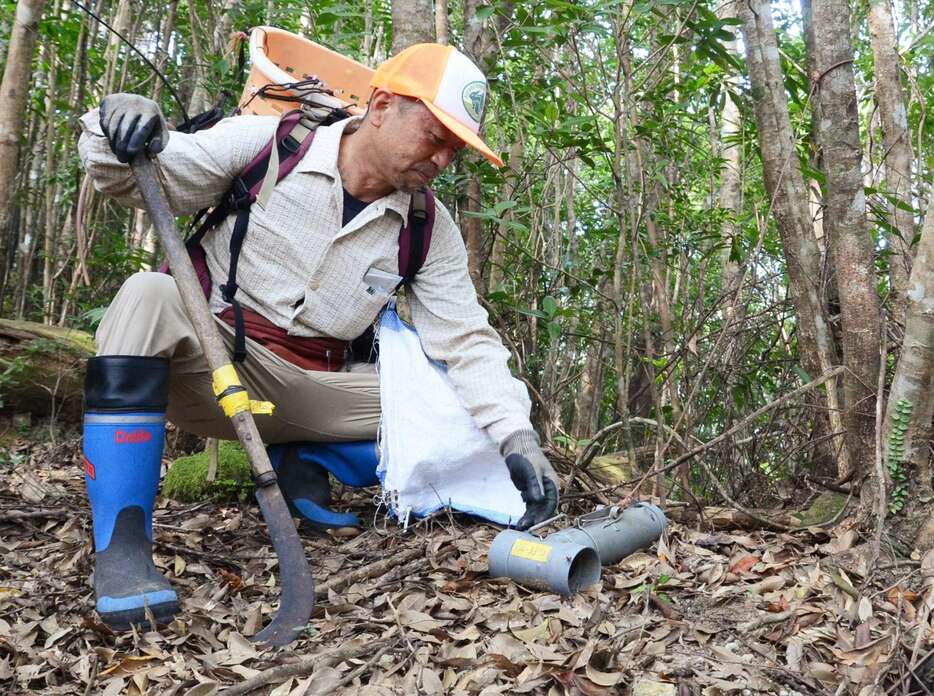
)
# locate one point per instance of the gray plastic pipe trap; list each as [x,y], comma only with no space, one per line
[570,560]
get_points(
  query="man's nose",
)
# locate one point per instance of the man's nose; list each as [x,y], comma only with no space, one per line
[442,157]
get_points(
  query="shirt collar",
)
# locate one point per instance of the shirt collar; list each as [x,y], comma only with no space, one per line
[321,158]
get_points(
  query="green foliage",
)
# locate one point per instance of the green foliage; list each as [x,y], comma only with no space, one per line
[898,427]
[186,480]
[657,588]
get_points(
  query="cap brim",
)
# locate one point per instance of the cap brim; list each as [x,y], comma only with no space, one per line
[464,133]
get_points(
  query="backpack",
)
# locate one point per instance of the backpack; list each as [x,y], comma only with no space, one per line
[294,135]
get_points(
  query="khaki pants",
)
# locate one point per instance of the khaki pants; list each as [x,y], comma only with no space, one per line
[147,318]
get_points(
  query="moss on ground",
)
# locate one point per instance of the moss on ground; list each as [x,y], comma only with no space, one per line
[186,480]
[824,508]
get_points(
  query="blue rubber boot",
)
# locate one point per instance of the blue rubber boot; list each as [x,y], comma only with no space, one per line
[302,469]
[124,428]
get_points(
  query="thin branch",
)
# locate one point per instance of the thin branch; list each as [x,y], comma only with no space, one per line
[830,374]
[302,667]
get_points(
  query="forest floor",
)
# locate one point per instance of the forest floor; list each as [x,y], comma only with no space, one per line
[705,611]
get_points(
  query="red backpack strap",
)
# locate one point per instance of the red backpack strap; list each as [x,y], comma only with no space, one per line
[415,235]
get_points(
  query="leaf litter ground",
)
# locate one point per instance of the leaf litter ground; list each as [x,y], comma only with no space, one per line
[705,611]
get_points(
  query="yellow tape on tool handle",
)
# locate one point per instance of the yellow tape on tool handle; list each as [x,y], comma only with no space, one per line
[232,396]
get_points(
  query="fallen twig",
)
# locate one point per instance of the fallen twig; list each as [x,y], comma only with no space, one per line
[402,631]
[95,666]
[304,666]
[927,572]
[14,515]
[366,665]
[663,607]
[845,490]
[370,570]
[400,573]
[206,555]
[765,620]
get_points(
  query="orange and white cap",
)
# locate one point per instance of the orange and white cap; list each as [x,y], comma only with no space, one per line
[447,82]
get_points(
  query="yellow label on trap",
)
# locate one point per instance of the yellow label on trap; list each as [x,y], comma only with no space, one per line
[523,548]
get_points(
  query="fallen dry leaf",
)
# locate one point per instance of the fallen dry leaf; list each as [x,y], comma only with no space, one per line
[547,631]
[443,625]
[744,564]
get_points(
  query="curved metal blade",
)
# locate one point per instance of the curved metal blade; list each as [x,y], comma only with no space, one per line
[297,599]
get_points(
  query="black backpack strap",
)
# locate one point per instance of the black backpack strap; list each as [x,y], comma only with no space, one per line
[229,289]
[415,236]
[255,182]
[207,119]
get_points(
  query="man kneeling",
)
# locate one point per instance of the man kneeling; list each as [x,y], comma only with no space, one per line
[304,283]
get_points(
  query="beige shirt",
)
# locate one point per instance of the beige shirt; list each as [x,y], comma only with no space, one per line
[304,272]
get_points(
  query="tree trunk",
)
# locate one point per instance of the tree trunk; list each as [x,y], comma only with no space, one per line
[556,369]
[834,97]
[911,398]
[220,36]
[52,228]
[480,47]
[200,99]
[441,21]
[29,216]
[498,252]
[897,143]
[162,47]
[473,233]
[589,393]
[14,95]
[730,200]
[412,23]
[121,23]
[627,215]
[785,186]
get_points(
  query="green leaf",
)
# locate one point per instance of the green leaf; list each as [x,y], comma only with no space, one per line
[502,207]
[532,313]
[485,12]
[554,330]
[550,305]
[804,376]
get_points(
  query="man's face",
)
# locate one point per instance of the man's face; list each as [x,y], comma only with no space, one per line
[417,147]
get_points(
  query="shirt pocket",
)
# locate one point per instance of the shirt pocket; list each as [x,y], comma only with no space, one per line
[372,297]
[342,310]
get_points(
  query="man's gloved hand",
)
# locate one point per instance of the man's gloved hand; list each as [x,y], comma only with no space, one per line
[133,123]
[532,474]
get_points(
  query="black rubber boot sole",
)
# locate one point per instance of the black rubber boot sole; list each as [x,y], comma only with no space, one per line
[163,613]
[124,574]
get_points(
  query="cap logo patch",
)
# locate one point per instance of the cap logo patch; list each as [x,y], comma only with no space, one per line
[474,96]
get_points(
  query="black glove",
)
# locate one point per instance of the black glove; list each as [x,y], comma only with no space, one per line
[533,475]
[133,123]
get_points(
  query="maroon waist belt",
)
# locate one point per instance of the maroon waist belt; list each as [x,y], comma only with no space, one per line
[321,354]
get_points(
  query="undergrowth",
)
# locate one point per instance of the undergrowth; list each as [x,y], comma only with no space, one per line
[187,482]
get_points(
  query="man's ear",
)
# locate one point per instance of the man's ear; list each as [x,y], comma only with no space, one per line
[380,101]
